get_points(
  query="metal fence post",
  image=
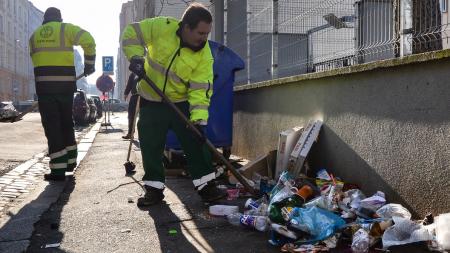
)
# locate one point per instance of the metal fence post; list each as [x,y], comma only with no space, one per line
[248,42]
[274,71]
[406,27]
[219,20]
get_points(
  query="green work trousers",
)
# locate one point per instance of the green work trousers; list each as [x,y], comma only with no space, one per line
[155,119]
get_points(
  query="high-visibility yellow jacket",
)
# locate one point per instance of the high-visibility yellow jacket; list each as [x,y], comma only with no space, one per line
[51,50]
[181,73]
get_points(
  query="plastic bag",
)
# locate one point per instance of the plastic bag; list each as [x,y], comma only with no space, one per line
[283,187]
[319,202]
[317,222]
[374,202]
[390,210]
[443,230]
[404,231]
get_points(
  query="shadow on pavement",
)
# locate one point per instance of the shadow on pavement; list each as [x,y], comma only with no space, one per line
[46,231]
[183,224]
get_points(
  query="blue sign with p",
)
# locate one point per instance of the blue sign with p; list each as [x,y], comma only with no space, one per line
[108,64]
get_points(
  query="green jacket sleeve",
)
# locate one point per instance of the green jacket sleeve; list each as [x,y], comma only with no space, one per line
[200,88]
[136,36]
[79,37]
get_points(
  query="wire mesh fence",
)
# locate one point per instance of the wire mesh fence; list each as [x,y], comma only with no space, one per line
[279,38]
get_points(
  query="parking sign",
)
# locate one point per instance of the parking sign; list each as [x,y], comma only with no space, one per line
[108,65]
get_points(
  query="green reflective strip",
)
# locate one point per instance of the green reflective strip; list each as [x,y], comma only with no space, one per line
[78,36]
[58,165]
[57,154]
[198,86]
[62,40]
[72,160]
[89,62]
[198,107]
[137,29]
[54,78]
[131,42]
[150,98]
[73,147]
[163,70]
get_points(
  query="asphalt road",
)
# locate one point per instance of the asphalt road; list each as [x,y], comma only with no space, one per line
[21,140]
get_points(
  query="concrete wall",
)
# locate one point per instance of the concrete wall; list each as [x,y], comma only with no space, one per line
[386,125]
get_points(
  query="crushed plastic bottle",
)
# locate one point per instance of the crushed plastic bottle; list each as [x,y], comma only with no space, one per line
[234,219]
[256,207]
[223,210]
[259,223]
[361,240]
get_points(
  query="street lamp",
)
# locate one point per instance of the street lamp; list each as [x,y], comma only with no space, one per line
[332,21]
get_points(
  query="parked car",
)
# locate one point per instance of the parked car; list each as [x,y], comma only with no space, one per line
[98,104]
[92,110]
[80,108]
[117,106]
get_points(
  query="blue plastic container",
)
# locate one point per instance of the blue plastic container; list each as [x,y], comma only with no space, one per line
[220,122]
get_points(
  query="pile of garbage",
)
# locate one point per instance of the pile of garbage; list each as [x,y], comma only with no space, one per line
[319,214]
[7,111]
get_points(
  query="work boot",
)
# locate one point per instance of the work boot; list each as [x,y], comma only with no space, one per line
[210,192]
[152,196]
[53,177]
[126,137]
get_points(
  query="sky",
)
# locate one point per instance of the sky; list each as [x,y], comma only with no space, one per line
[99,17]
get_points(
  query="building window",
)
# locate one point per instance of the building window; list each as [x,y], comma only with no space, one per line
[444,5]
[1,24]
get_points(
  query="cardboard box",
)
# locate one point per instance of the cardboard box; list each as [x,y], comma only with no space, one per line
[263,165]
[303,146]
[286,142]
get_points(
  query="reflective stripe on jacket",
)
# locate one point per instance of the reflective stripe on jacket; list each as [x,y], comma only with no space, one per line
[183,75]
[51,50]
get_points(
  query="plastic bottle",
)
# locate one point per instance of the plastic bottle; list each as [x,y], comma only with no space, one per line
[258,222]
[360,242]
[223,210]
[234,219]
[252,204]
[275,214]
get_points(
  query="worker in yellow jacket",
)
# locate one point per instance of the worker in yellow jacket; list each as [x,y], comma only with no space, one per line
[51,50]
[176,57]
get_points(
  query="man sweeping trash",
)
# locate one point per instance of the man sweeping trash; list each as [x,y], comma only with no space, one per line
[176,57]
[51,50]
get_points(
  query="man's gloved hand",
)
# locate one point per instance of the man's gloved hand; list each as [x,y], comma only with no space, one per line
[89,69]
[137,66]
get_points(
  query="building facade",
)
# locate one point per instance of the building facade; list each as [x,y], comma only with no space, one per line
[127,15]
[35,18]
[17,20]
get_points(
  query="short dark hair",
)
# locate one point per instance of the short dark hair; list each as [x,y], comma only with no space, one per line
[195,13]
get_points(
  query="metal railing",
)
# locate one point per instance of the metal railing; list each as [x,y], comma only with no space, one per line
[279,38]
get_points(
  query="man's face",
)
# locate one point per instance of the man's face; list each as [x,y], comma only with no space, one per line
[198,36]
